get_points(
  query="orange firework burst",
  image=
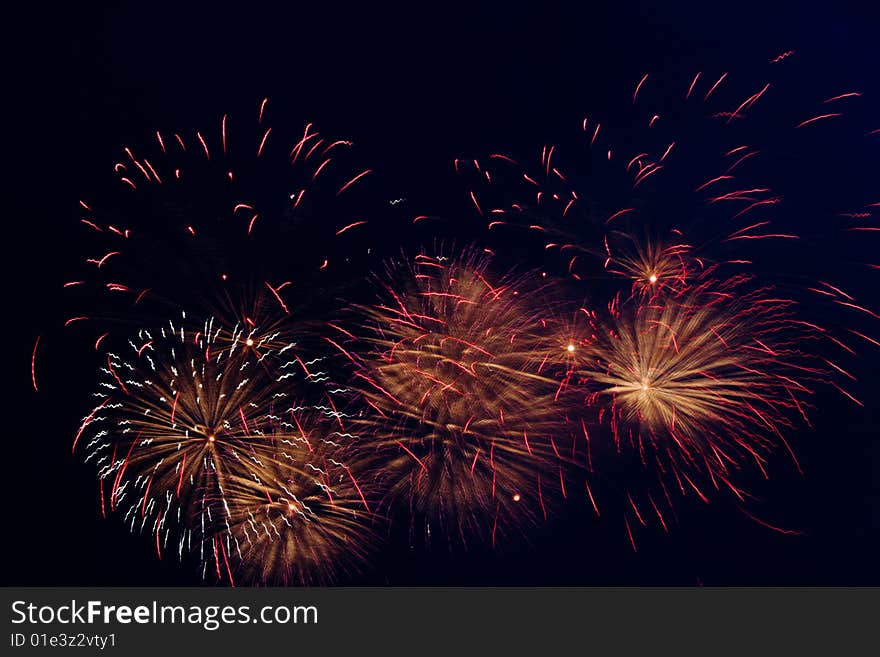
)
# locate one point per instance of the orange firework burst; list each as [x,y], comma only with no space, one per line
[192,423]
[703,382]
[461,416]
[302,517]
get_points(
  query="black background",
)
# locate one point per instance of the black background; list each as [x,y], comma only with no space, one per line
[416,85]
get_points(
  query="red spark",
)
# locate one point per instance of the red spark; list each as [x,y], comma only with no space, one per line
[639,86]
[350,226]
[353,181]
[33,364]
[818,118]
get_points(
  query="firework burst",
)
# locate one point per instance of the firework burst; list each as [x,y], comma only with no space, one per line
[219,221]
[469,395]
[190,424]
[718,171]
[704,383]
[654,268]
[303,517]
[459,412]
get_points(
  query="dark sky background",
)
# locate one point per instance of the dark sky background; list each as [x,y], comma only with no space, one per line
[415,85]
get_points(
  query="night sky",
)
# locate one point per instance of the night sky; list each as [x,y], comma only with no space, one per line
[414,86]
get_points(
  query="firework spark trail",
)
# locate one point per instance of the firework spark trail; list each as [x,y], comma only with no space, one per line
[194,423]
[34,364]
[642,190]
[462,420]
[228,208]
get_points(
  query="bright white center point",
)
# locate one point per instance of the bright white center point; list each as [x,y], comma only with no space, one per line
[653,278]
[570,348]
[249,342]
[516,497]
